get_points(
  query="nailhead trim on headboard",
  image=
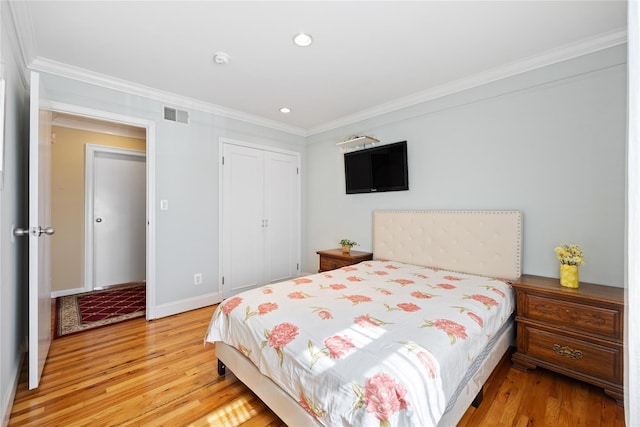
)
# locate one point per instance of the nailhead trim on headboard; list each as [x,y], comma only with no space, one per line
[486,243]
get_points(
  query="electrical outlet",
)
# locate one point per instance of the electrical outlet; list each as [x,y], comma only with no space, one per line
[197,279]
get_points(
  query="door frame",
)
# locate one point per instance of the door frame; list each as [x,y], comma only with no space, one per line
[150,126]
[91,151]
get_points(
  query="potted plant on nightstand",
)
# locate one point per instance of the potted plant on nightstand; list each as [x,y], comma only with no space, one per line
[347,245]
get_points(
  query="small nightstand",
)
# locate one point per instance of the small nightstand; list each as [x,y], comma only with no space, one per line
[575,332]
[335,258]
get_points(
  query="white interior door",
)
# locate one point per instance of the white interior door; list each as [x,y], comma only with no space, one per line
[39,229]
[119,216]
[242,216]
[281,211]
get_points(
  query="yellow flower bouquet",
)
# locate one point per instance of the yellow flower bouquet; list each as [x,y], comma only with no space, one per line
[570,254]
[570,257]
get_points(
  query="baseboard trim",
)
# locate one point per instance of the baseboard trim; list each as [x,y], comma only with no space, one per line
[169,309]
[65,292]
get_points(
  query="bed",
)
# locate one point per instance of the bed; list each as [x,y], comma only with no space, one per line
[406,339]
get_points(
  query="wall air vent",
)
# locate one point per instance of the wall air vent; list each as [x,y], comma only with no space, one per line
[175,115]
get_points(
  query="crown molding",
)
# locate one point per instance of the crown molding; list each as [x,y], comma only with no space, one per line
[562,53]
[19,30]
[45,65]
[25,40]
[22,35]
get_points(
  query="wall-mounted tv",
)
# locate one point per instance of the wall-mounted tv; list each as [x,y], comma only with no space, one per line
[376,169]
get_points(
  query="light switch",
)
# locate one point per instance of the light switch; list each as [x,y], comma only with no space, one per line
[164,205]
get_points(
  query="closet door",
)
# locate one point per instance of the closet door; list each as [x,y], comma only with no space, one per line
[281,213]
[260,217]
[242,217]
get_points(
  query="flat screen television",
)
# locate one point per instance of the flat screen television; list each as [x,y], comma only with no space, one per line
[377,169]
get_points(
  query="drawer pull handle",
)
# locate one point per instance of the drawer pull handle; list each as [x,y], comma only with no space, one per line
[566,351]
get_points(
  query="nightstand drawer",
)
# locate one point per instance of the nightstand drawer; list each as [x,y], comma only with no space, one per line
[588,318]
[333,263]
[604,363]
[576,332]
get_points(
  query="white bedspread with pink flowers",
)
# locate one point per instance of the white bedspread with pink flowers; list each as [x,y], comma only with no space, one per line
[375,344]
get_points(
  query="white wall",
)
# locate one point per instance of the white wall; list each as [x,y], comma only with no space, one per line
[13,303]
[550,143]
[187,167]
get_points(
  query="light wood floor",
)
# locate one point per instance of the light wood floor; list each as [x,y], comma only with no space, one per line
[159,373]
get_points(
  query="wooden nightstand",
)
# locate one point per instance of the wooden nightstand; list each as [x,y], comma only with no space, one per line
[335,258]
[575,332]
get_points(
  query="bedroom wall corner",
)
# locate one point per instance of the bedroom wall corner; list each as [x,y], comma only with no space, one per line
[549,142]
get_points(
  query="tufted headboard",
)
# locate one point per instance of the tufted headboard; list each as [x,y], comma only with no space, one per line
[486,243]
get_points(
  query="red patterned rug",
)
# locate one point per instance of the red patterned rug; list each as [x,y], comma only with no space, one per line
[80,312]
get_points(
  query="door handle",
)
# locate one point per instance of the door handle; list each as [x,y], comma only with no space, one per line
[36,231]
[48,231]
[19,232]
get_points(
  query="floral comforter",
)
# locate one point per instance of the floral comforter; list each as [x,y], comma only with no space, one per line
[375,344]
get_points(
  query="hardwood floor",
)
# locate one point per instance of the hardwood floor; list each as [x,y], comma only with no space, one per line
[159,373]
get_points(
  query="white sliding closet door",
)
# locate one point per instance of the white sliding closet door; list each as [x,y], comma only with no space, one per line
[260,217]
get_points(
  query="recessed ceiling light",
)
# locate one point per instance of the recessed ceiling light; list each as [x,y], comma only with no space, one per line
[285,110]
[302,39]
[221,58]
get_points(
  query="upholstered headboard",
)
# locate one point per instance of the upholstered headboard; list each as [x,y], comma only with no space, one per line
[486,243]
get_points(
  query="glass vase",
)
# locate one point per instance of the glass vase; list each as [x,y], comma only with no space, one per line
[569,275]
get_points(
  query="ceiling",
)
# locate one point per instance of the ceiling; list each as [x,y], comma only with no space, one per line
[368,57]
